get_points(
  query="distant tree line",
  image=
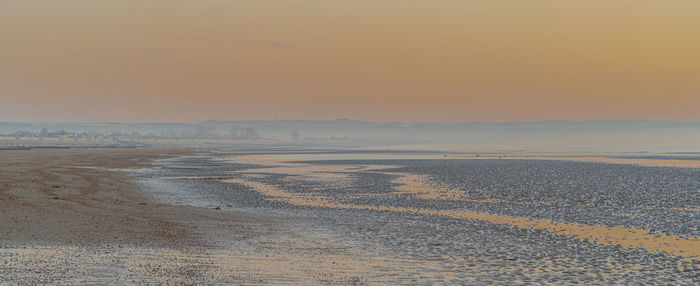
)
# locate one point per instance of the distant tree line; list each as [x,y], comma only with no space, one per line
[199,132]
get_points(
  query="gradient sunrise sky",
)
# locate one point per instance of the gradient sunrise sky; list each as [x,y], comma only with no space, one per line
[440,60]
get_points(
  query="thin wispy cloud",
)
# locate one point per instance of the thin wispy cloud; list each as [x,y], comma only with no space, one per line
[268,44]
[160,50]
[279,45]
[197,38]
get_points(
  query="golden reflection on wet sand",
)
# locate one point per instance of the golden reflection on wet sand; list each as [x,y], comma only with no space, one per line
[613,158]
[418,186]
[686,247]
[599,159]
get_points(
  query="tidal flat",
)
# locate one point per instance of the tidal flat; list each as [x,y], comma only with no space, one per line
[332,216]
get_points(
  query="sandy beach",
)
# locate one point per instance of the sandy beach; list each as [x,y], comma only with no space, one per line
[62,197]
[74,216]
[58,204]
[210,216]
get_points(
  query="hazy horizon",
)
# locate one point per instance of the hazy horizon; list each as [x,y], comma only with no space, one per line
[345,119]
[618,136]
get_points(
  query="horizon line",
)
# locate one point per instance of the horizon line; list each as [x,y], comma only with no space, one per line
[347,120]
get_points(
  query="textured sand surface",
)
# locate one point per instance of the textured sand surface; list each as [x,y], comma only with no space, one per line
[49,197]
[121,216]
[74,216]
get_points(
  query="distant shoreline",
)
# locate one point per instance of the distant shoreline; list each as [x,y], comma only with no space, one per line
[66,147]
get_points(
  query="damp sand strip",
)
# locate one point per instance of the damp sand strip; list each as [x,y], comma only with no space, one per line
[685,247]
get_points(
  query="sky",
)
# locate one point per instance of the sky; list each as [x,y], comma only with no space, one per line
[378,60]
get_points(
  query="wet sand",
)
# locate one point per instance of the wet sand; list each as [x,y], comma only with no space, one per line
[147,216]
[438,190]
[75,216]
[49,197]
[65,218]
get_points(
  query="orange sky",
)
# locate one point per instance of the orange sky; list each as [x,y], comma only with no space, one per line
[410,60]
